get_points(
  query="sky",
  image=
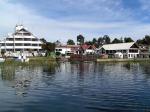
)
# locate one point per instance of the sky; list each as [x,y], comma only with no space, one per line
[65,19]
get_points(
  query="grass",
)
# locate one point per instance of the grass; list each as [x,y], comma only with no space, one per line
[33,61]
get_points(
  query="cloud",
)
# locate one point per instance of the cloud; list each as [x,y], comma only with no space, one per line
[69,27]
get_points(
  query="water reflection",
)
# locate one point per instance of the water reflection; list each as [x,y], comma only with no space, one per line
[22,77]
[87,87]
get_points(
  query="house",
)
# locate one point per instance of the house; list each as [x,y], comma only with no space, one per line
[144,51]
[67,49]
[87,49]
[129,50]
[21,41]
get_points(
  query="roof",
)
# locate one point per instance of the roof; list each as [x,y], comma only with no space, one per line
[119,46]
[85,46]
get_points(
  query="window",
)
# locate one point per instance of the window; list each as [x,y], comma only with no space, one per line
[18,49]
[17,44]
[27,39]
[9,44]
[34,44]
[18,34]
[60,49]
[27,44]
[18,39]
[26,34]
[34,39]
[133,51]
[124,51]
[10,39]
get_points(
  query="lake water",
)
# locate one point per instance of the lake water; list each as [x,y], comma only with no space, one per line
[75,87]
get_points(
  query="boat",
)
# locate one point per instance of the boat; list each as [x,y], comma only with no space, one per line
[21,58]
[2,60]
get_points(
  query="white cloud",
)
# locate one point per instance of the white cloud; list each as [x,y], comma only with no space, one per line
[53,30]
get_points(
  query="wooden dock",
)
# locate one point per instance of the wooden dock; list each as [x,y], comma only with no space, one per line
[83,58]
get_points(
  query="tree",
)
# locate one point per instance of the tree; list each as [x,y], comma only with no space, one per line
[48,46]
[89,43]
[94,41]
[117,41]
[100,41]
[3,52]
[107,39]
[43,40]
[147,39]
[57,43]
[80,40]
[70,42]
[128,39]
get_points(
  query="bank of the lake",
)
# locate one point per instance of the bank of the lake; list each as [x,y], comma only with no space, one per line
[124,60]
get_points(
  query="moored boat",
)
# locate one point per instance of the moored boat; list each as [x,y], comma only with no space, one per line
[2,60]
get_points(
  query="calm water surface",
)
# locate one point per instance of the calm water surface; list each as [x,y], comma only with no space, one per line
[75,87]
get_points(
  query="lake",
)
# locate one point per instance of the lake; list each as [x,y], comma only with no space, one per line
[75,87]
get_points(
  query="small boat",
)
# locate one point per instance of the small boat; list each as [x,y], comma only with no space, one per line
[2,60]
[21,59]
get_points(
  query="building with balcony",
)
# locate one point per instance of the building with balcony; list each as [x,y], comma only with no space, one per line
[21,41]
[127,50]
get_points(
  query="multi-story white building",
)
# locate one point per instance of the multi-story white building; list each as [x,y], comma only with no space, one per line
[21,41]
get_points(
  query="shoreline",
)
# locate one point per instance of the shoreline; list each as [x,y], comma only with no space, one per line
[124,60]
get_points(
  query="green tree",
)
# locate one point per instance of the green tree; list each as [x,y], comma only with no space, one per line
[117,41]
[70,42]
[94,41]
[147,39]
[80,39]
[128,39]
[49,48]
[43,40]
[89,43]
[100,41]
[107,39]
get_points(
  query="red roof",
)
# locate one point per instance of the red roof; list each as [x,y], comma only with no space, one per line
[85,46]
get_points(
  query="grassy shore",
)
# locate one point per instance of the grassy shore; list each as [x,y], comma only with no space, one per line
[124,60]
[32,61]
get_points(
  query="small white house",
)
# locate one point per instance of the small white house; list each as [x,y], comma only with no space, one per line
[67,49]
[63,49]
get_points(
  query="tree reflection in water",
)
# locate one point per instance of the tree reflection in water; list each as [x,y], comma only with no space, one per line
[23,77]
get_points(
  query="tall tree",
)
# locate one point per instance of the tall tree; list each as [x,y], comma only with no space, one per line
[117,41]
[57,43]
[80,40]
[147,39]
[70,42]
[100,41]
[43,40]
[89,43]
[94,41]
[48,46]
[128,39]
[107,39]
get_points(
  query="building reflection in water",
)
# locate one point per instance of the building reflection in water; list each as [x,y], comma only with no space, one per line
[21,78]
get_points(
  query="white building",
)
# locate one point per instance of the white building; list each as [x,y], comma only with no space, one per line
[21,41]
[129,50]
[67,49]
